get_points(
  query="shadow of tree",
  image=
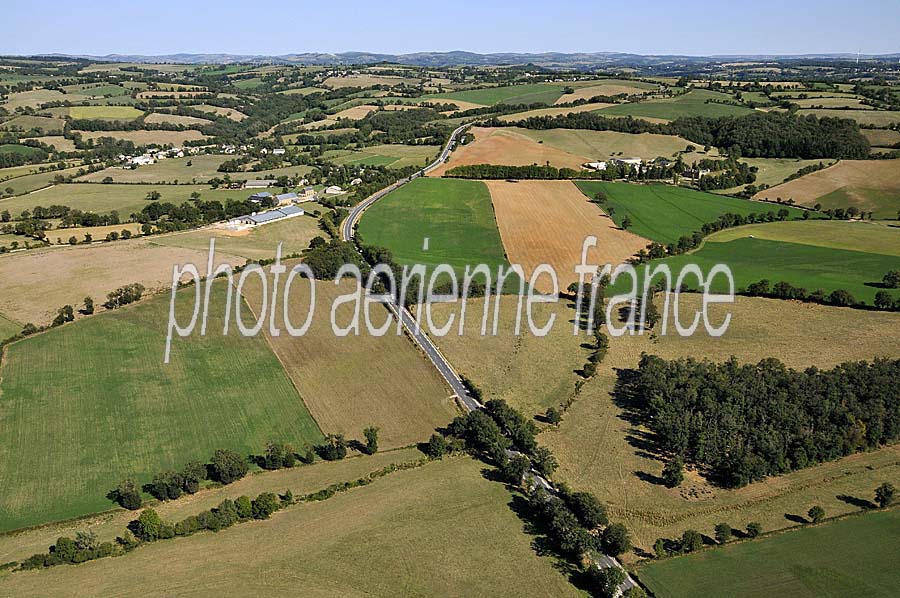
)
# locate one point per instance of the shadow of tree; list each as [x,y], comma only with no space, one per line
[860,503]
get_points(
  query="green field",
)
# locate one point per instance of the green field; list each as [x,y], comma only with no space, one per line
[28,183]
[772,171]
[15,148]
[838,234]
[664,213]
[807,266]
[92,403]
[203,167]
[27,123]
[395,156]
[455,215]
[852,557]
[692,103]
[104,112]
[878,118]
[8,328]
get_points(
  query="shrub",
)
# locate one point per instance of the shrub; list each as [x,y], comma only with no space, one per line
[228,466]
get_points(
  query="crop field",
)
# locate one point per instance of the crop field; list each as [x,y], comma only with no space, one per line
[455,215]
[28,184]
[601,452]
[602,145]
[554,111]
[878,118]
[104,198]
[231,113]
[395,156]
[664,213]
[610,87]
[352,382]
[147,137]
[365,81]
[369,541]
[257,243]
[61,236]
[530,93]
[869,185]
[175,119]
[104,112]
[858,560]
[96,90]
[773,171]
[106,375]
[501,146]
[203,167]
[8,328]
[300,479]
[881,137]
[59,143]
[837,234]
[546,222]
[19,171]
[35,98]
[75,274]
[693,103]
[15,148]
[807,266]
[27,123]
[530,373]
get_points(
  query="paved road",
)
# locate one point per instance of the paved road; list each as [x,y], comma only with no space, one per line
[409,322]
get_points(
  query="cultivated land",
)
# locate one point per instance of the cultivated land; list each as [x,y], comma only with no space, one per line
[257,243]
[838,234]
[32,182]
[231,113]
[58,142]
[455,215]
[101,198]
[104,112]
[603,145]
[858,560]
[300,479]
[530,93]
[175,119]
[772,171]
[546,222]
[611,87]
[878,118]
[806,266]
[107,375]
[554,111]
[147,137]
[507,147]
[203,167]
[393,155]
[664,213]
[27,123]
[869,185]
[697,102]
[441,529]
[8,328]
[881,137]
[352,382]
[56,276]
[601,452]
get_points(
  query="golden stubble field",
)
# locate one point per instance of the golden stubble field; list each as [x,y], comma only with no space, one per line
[500,146]
[546,222]
[352,382]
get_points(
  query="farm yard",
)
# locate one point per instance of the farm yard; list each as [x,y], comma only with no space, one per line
[202,168]
[546,222]
[795,563]
[868,185]
[143,416]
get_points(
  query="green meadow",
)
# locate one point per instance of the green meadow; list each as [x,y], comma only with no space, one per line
[698,102]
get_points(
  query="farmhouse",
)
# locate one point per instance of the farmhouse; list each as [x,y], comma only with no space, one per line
[258,184]
[286,199]
[308,194]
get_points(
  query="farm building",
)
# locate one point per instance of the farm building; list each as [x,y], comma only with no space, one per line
[257,219]
[258,184]
[307,194]
[631,161]
[333,190]
[286,199]
[595,165]
[260,197]
[278,151]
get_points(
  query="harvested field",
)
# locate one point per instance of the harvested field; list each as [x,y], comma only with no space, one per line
[832,102]
[28,184]
[773,171]
[603,145]
[59,143]
[175,119]
[869,185]
[607,89]
[546,222]
[355,112]
[554,111]
[352,382]
[85,271]
[104,112]
[203,167]
[231,113]
[601,452]
[365,81]
[878,118]
[146,95]
[881,137]
[438,530]
[500,146]
[61,236]
[35,98]
[147,137]
[27,123]
[8,328]
[868,237]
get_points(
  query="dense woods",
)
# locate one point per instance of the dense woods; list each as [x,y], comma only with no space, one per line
[745,422]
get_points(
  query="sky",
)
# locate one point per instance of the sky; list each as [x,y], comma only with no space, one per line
[687,27]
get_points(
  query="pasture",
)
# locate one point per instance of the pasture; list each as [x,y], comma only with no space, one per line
[104,112]
[529,93]
[868,185]
[231,113]
[517,116]
[106,375]
[878,118]
[8,328]
[455,215]
[441,529]
[546,222]
[603,145]
[808,266]
[697,102]
[664,213]
[202,168]
[773,171]
[58,142]
[43,124]
[35,98]
[881,137]
[352,382]
[507,147]
[859,560]
[175,119]
[837,234]
[600,451]
[394,156]
[75,274]
[28,184]
[140,138]
[608,87]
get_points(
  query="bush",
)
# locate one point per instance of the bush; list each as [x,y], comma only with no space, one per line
[691,541]
[754,529]
[264,505]
[723,533]
[334,448]
[436,447]
[228,466]
[615,540]
[816,514]
[673,472]
[127,495]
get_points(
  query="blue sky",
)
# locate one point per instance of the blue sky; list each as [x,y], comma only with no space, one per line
[401,26]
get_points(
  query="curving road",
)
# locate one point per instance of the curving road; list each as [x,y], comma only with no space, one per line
[406,318]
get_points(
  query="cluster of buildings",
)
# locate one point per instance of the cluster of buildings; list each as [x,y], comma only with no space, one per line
[693,173]
[602,165]
[151,157]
